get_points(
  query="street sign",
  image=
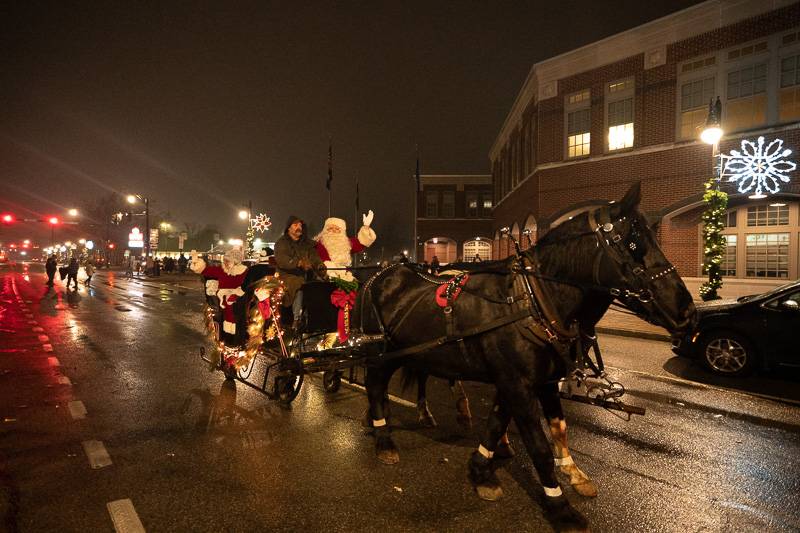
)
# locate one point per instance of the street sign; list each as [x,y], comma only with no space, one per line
[181,239]
[154,239]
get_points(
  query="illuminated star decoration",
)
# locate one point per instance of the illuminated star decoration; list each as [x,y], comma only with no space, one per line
[261,223]
[758,166]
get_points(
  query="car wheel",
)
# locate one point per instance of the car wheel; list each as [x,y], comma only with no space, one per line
[727,353]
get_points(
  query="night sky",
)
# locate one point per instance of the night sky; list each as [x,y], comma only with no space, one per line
[205,105]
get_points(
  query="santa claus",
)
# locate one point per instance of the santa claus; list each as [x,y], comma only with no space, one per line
[335,247]
[229,277]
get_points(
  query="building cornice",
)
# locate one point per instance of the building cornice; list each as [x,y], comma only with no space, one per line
[649,39]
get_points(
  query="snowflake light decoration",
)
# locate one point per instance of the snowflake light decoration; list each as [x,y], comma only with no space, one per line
[261,223]
[758,166]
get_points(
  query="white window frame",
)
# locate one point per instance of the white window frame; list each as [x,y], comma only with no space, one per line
[699,74]
[613,97]
[572,107]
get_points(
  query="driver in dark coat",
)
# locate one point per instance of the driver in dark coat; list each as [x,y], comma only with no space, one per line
[297,260]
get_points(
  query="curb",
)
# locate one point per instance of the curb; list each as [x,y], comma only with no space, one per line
[635,334]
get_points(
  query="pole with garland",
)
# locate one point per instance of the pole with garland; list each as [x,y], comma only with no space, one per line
[714,242]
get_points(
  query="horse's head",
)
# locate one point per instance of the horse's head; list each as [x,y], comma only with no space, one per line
[633,267]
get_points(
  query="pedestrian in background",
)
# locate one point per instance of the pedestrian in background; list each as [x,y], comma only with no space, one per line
[51,266]
[435,265]
[89,269]
[182,262]
[476,259]
[72,272]
[156,266]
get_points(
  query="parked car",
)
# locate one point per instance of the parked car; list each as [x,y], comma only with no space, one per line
[736,337]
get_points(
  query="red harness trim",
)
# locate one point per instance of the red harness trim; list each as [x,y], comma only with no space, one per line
[450,289]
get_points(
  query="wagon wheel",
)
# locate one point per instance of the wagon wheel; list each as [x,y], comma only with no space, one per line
[287,384]
[331,380]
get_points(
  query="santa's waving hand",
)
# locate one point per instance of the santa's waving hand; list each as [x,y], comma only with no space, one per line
[335,247]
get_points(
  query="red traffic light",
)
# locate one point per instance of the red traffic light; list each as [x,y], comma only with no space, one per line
[53,220]
[8,218]
[111,246]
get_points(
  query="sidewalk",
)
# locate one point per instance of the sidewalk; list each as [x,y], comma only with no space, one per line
[619,323]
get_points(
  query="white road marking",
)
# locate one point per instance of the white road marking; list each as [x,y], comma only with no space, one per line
[392,398]
[97,454]
[44,338]
[124,517]
[37,329]
[47,347]
[64,380]
[53,361]
[77,410]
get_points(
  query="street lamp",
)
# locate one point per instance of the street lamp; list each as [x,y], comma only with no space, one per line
[244,215]
[72,212]
[132,200]
[716,204]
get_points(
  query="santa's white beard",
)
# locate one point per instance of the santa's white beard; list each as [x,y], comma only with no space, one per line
[338,247]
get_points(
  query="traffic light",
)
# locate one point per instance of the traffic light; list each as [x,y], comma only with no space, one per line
[7,218]
[111,246]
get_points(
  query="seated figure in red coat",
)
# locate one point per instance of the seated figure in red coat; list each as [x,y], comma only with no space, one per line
[335,248]
[230,277]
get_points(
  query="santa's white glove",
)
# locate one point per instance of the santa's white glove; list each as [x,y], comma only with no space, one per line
[368,218]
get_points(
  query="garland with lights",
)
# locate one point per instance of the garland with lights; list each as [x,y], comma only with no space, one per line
[249,238]
[713,241]
[258,315]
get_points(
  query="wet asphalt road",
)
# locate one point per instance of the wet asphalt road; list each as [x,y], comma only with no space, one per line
[192,452]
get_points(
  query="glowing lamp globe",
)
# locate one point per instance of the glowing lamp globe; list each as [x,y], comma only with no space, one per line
[711,135]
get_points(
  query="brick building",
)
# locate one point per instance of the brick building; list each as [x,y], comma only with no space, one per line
[590,122]
[454,217]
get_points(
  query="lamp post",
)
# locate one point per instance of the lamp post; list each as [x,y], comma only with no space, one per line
[132,200]
[247,214]
[716,203]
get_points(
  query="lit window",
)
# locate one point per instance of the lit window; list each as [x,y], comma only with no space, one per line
[747,98]
[578,124]
[472,205]
[768,255]
[789,97]
[619,114]
[620,124]
[582,96]
[695,96]
[578,135]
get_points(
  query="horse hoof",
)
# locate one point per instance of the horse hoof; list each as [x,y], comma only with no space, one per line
[489,493]
[587,489]
[504,451]
[464,421]
[389,457]
[563,517]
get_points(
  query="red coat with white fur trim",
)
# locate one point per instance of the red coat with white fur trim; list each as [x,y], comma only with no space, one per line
[230,288]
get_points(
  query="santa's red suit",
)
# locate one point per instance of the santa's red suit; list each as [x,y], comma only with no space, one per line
[230,277]
[335,247]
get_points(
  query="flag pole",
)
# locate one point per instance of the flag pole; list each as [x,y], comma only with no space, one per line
[416,207]
[356,227]
[329,182]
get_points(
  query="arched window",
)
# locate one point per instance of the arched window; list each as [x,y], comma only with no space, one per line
[443,248]
[763,240]
[531,226]
[481,248]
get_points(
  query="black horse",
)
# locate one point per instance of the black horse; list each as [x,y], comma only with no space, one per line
[494,333]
